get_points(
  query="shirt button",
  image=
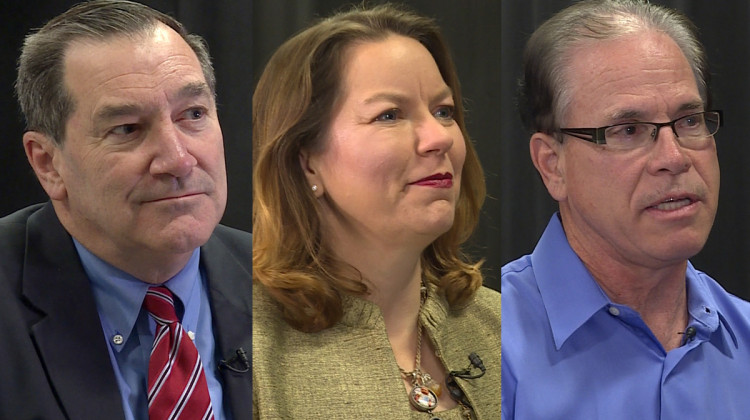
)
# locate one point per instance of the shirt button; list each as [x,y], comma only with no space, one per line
[117,339]
[614,311]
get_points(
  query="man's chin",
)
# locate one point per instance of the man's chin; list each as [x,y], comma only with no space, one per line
[181,237]
[680,251]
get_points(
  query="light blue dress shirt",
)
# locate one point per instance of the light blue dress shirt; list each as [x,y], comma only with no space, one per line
[129,330]
[570,353]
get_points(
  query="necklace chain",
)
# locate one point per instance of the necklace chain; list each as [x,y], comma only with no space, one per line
[422,381]
[425,392]
[416,376]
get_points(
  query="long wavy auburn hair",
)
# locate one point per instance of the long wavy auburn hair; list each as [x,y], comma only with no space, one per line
[292,107]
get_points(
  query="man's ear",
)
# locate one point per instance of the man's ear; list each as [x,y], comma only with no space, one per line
[308,162]
[548,158]
[42,153]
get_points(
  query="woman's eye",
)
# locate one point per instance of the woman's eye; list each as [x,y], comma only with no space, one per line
[444,112]
[390,115]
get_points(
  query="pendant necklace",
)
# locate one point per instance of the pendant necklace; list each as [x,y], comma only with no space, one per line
[425,392]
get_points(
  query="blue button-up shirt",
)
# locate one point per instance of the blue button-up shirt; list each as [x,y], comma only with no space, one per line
[129,330]
[570,353]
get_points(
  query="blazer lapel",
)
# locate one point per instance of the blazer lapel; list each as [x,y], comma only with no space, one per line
[68,336]
[228,271]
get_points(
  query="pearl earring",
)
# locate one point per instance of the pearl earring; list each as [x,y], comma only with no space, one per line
[314,188]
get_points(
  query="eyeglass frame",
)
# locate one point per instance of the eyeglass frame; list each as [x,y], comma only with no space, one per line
[598,134]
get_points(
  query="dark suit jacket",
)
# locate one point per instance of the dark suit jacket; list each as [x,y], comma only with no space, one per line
[53,356]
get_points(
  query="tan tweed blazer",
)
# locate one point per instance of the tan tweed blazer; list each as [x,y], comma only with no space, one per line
[349,371]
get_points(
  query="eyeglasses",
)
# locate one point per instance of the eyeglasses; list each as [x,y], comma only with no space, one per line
[692,131]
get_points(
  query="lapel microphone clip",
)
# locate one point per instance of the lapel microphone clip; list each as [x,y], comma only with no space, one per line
[241,358]
[450,381]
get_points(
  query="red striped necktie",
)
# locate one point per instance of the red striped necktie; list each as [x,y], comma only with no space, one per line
[177,386]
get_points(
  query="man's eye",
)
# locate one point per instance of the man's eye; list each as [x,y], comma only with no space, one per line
[691,121]
[627,130]
[124,129]
[195,113]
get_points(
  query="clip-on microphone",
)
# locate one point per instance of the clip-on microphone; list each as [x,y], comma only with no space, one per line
[450,380]
[241,357]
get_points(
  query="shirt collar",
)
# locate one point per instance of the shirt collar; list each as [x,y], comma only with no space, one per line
[571,296]
[119,296]
[569,292]
[702,305]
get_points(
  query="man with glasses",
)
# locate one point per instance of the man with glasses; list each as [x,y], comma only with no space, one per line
[607,318]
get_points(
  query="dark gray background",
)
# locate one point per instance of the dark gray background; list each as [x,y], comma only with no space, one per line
[224,24]
[486,37]
[472,28]
[526,207]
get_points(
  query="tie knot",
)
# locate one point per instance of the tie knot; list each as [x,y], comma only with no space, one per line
[160,304]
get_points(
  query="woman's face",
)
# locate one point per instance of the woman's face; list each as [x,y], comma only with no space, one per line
[388,172]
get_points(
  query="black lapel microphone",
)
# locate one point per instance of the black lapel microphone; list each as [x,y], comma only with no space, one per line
[450,381]
[476,362]
[239,358]
[689,334]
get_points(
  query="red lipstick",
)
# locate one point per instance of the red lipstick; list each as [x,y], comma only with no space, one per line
[436,181]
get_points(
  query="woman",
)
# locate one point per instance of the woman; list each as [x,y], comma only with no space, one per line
[365,185]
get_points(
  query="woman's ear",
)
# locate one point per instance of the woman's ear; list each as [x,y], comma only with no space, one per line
[44,156]
[309,167]
[548,158]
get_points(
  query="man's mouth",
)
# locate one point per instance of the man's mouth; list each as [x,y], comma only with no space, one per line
[671,204]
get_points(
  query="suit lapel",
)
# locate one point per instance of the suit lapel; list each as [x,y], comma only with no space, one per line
[229,277]
[68,335]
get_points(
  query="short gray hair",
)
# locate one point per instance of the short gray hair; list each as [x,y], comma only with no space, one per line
[543,94]
[45,102]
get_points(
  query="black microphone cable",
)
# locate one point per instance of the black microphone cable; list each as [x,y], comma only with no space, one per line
[450,381]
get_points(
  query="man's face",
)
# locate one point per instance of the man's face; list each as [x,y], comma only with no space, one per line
[649,207]
[142,164]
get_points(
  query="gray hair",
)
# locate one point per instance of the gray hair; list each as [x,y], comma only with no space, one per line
[40,87]
[543,94]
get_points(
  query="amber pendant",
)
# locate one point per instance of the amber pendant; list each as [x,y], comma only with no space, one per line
[423,398]
[426,380]
[435,387]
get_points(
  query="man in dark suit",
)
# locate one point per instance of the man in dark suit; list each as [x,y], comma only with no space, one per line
[123,135]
